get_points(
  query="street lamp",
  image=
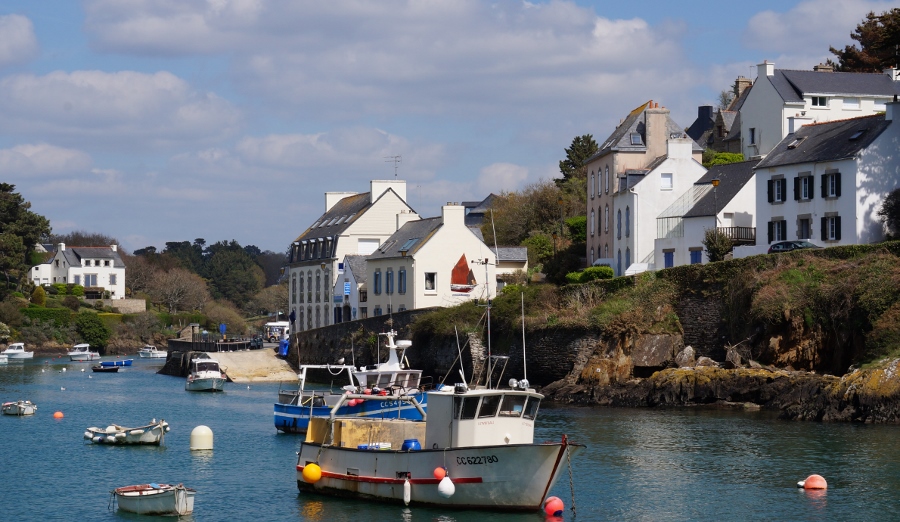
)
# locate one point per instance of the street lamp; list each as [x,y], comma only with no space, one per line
[715,184]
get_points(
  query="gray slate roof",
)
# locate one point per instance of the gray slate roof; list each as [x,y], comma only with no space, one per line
[511,253]
[357,266]
[620,139]
[827,141]
[421,230]
[793,85]
[74,255]
[732,178]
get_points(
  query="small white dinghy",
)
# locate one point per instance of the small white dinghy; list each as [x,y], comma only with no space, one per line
[154,499]
[19,408]
[152,433]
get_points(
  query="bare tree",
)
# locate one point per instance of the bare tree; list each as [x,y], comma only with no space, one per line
[271,299]
[179,289]
[139,273]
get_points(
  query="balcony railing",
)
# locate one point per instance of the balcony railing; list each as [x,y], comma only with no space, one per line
[741,235]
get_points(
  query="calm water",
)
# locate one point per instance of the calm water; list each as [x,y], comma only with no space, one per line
[646,465]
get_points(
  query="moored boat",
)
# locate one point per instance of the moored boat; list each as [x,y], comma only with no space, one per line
[385,380]
[82,352]
[155,499]
[151,434]
[151,352]
[105,369]
[481,439]
[117,362]
[17,351]
[205,375]
[19,408]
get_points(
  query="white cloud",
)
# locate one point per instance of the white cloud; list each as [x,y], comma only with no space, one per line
[113,108]
[17,41]
[501,177]
[41,159]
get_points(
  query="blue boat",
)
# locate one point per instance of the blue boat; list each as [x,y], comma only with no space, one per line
[117,362]
[388,380]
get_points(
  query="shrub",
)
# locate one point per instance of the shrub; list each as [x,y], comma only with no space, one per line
[77,291]
[57,316]
[72,303]
[61,288]
[92,329]
[39,297]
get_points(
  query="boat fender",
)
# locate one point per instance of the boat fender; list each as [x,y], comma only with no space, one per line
[407,494]
[87,435]
[446,488]
[136,432]
[97,440]
[111,439]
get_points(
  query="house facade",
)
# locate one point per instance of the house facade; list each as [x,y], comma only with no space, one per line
[352,224]
[349,295]
[724,198]
[783,100]
[638,143]
[97,269]
[430,262]
[826,182]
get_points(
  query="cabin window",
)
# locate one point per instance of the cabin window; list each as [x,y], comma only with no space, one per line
[489,406]
[531,407]
[513,405]
[465,407]
[384,380]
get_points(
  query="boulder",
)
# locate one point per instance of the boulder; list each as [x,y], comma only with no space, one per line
[706,361]
[685,358]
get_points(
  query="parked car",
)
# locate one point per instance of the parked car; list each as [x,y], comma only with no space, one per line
[256,342]
[788,246]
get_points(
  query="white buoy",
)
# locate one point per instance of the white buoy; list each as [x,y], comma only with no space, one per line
[446,488]
[407,493]
[201,438]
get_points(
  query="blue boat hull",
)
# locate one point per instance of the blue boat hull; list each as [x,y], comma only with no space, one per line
[119,362]
[291,418]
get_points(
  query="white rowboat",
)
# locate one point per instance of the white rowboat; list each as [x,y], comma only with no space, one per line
[19,408]
[153,433]
[155,499]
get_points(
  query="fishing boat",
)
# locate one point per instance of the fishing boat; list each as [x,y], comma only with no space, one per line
[155,499]
[19,408]
[385,381]
[17,351]
[477,450]
[82,352]
[205,375]
[151,352]
[153,433]
[117,362]
[105,369]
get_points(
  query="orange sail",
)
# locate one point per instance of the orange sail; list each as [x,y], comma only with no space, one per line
[462,278]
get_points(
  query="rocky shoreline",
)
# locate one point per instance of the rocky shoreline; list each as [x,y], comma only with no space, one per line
[866,396]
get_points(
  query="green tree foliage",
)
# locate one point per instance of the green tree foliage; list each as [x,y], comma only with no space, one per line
[39,296]
[540,248]
[879,41]
[92,329]
[84,239]
[712,158]
[577,228]
[72,303]
[535,209]
[717,244]
[590,273]
[890,214]
[189,256]
[234,275]
[5,332]
[20,230]
[573,168]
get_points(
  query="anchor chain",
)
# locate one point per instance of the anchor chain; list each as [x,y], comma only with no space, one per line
[571,481]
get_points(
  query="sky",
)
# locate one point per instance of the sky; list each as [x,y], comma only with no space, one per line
[169,120]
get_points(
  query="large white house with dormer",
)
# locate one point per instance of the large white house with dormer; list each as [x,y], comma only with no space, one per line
[98,269]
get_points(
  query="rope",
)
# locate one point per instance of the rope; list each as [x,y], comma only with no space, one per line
[571,481]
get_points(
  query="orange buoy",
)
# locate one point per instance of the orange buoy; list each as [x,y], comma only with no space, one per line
[440,473]
[312,473]
[813,482]
[58,415]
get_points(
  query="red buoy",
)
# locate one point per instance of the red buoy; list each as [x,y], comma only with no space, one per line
[813,482]
[554,507]
[440,473]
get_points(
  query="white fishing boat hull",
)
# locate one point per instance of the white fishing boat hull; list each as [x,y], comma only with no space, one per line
[512,477]
[151,352]
[82,352]
[151,434]
[164,499]
[16,351]
[19,408]
[205,384]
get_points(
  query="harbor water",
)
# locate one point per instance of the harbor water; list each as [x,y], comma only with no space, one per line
[642,465]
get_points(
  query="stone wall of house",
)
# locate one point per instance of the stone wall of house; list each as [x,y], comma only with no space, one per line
[124,306]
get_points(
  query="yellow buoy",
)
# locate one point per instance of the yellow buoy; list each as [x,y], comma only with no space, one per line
[201,438]
[312,473]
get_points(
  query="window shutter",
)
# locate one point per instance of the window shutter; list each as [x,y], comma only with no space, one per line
[783,189]
[783,234]
[770,231]
[797,188]
[837,225]
[769,190]
[824,186]
[824,235]
[837,184]
[812,185]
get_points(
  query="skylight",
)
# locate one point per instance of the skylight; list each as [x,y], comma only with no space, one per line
[798,141]
[409,244]
[857,134]
[636,139]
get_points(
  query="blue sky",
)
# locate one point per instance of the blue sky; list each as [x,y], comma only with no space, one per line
[170,120]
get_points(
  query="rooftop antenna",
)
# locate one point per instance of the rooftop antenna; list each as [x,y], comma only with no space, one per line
[395,159]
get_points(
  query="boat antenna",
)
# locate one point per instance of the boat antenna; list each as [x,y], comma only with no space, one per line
[524,369]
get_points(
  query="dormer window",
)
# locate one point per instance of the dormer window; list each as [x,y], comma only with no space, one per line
[636,139]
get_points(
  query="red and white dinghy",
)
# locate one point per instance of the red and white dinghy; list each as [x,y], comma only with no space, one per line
[155,499]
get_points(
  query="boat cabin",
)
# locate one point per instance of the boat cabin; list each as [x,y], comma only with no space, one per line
[204,365]
[481,417]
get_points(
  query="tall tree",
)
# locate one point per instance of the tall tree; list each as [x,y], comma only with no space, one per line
[20,231]
[234,275]
[178,289]
[879,44]
[573,168]
[890,214]
[83,238]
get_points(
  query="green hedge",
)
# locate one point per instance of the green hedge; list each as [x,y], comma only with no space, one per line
[59,316]
[110,320]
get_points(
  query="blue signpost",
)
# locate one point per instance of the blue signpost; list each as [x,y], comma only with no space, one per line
[222,329]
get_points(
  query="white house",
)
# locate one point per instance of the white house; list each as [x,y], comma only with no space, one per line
[353,224]
[350,294]
[640,196]
[510,262]
[826,182]
[724,198]
[430,262]
[638,143]
[783,100]
[97,269]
